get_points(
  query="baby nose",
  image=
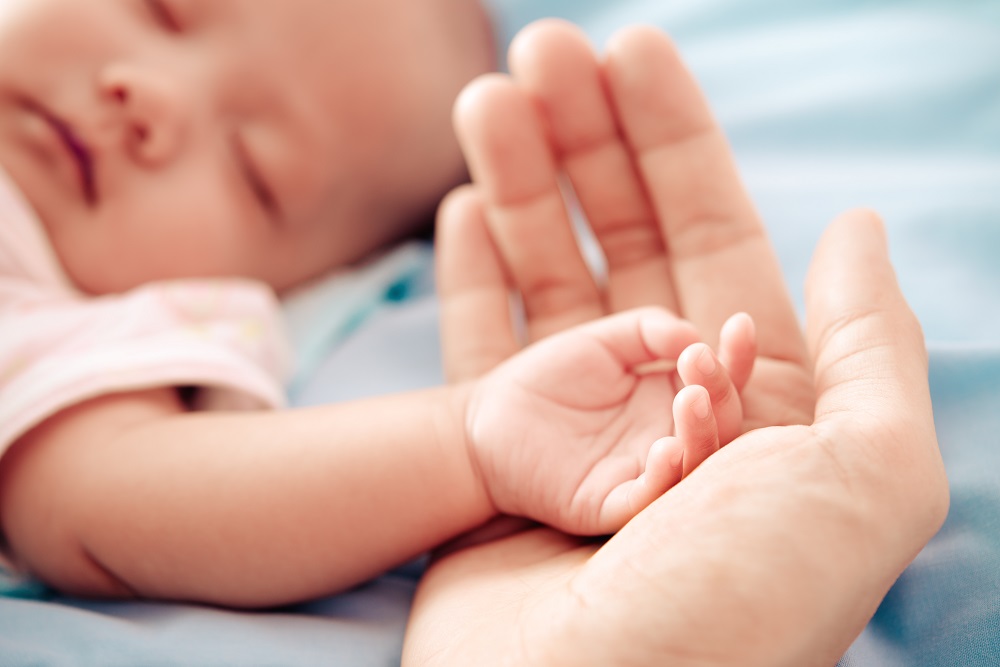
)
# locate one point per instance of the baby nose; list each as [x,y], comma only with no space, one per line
[149,111]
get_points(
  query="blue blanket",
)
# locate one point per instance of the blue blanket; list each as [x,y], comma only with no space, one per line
[829,104]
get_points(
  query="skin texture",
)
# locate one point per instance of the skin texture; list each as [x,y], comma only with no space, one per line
[271,140]
[775,551]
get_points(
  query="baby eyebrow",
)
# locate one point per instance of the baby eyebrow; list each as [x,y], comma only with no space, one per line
[258,186]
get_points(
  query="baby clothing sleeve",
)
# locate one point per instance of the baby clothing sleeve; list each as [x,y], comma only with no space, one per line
[223,337]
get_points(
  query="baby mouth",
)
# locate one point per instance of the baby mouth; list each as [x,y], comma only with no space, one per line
[78,149]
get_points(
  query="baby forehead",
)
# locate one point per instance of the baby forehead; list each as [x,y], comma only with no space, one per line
[295,54]
[272,57]
[341,77]
[293,36]
[308,29]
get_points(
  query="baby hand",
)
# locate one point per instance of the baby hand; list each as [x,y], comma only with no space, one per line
[574,431]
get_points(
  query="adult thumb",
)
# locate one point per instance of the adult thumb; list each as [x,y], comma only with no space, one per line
[866,344]
[871,367]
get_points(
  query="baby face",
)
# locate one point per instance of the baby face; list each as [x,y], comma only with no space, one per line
[269,139]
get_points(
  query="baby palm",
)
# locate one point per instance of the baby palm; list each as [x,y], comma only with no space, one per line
[562,431]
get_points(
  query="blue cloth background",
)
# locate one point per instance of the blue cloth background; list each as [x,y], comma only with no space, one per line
[829,104]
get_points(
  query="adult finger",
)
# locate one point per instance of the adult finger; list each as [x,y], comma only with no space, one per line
[510,162]
[477,331]
[873,398]
[870,357]
[552,60]
[721,257]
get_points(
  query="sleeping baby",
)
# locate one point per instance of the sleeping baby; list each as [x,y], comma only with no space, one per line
[170,169]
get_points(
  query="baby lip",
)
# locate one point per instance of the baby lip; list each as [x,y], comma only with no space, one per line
[79,150]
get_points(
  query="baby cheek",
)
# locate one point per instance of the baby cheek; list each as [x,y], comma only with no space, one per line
[169,243]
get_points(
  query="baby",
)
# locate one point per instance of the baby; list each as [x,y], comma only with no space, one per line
[175,164]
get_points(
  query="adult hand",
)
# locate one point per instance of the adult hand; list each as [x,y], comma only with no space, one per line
[656,181]
[776,551]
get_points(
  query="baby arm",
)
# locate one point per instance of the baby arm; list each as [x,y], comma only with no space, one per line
[131,495]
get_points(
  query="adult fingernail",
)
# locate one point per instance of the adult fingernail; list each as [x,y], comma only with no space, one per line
[706,361]
[701,407]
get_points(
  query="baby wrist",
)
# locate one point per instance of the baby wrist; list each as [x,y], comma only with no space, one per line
[462,401]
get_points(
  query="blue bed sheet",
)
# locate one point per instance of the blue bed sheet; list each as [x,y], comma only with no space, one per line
[829,104]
